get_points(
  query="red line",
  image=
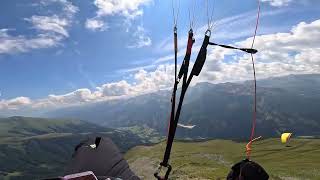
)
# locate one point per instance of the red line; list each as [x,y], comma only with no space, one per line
[254,116]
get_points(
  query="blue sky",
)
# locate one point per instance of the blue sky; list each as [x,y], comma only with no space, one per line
[75,51]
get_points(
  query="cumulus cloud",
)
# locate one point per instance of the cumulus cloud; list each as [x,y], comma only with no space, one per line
[279,54]
[79,96]
[144,82]
[151,81]
[116,89]
[15,103]
[129,9]
[278,3]
[51,30]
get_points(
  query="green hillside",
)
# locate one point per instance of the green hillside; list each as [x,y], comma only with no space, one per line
[213,159]
[18,126]
[33,148]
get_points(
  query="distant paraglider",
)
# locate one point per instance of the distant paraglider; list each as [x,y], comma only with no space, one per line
[285,138]
[186,126]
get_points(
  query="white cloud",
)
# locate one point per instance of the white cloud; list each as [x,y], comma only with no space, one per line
[78,96]
[51,30]
[15,44]
[278,3]
[68,8]
[129,9]
[144,82]
[96,25]
[141,39]
[279,54]
[156,80]
[50,24]
[116,89]
[223,30]
[15,103]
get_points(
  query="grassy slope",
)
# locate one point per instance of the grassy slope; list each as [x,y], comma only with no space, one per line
[146,134]
[37,156]
[47,155]
[33,148]
[213,159]
[27,126]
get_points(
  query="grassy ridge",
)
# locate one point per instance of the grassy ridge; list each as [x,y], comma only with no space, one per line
[213,159]
[18,126]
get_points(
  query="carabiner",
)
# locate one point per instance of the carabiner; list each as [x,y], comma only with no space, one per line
[156,174]
[208,32]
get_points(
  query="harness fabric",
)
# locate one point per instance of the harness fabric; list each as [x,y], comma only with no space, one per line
[201,58]
[247,170]
[105,160]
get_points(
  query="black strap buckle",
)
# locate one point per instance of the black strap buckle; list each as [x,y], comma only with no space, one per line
[166,176]
[249,50]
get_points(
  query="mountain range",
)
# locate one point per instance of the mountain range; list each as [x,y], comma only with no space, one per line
[288,103]
[33,148]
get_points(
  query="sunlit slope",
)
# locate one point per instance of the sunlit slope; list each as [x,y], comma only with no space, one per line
[213,159]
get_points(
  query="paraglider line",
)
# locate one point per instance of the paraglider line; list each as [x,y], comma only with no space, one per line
[254,116]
